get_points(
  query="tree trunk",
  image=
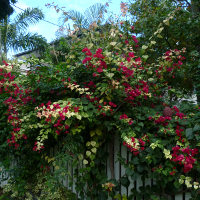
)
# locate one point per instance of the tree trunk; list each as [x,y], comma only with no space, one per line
[5,37]
[1,53]
[195,9]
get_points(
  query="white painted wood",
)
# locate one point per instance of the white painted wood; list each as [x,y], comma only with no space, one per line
[117,167]
[108,166]
[179,197]
[116,162]
[131,186]
[3,175]
[123,171]
[187,196]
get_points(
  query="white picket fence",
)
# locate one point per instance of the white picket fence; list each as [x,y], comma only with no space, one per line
[113,170]
[3,176]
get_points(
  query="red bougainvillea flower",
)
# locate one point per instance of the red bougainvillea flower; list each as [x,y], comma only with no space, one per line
[5,63]
[124,116]
[135,39]
[76,109]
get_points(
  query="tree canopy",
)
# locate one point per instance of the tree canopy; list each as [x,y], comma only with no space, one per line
[181,27]
[5,8]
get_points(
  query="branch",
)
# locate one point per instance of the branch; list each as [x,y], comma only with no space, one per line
[189,4]
[166,39]
[181,4]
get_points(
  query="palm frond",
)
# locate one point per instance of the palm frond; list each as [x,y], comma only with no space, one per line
[11,32]
[95,13]
[27,42]
[28,17]
[14,34]
[78,18]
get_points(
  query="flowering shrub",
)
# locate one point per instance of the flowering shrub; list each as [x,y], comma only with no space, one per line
[38,190]
[106,86]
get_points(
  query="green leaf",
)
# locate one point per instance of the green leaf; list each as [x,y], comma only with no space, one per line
[177,184]
[153,42]
[125,181]
[113,43]
[110,75]
[189,133]
[150,79]
[129,172]
[88,153]
[141,124]
[137,128]
[79,117]
[85,162]
[196,127]
[144,47]
[145,57]
[94,150]
[90,45]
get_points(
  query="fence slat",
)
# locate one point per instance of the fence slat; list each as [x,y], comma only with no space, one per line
[124,155]
[113,169]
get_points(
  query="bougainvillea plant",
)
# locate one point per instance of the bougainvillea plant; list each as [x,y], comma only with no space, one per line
[107,87]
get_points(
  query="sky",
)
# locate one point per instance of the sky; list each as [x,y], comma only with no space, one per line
[48,30]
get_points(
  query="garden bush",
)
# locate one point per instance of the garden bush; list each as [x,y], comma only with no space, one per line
[107,86]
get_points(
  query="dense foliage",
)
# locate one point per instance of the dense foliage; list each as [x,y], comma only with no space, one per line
[105,87]
[6,8]
[182,31]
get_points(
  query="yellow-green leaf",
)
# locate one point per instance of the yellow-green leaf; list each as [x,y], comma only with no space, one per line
[85,162]
[88,153]
[145,57]
[144,47]
[94,150]
[113,43]
[159,36]
[93,143]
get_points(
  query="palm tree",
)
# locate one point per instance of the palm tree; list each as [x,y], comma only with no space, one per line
[13,34]
[93,14]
